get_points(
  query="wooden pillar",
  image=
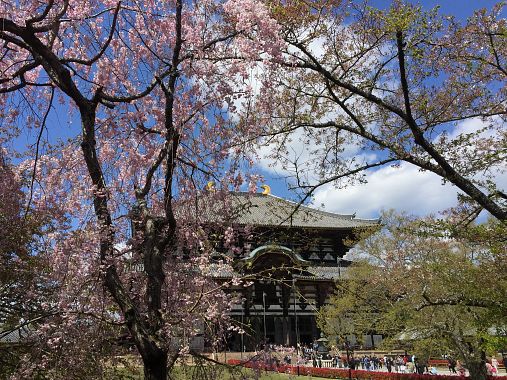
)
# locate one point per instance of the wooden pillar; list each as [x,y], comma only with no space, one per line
[285,291]
[257,333]
[315,330]
[279,337]
[320,295]
[248,293]
[318,303]
[285,330]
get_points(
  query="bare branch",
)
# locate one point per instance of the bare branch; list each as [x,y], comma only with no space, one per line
[457,301]
[101,95]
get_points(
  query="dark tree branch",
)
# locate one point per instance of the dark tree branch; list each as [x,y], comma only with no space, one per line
[449,172]
[497,64]
[141,194]
[94,59]
[50,26]
[101,95]
[310,189]
[457,301]
[37,146]
[43,15]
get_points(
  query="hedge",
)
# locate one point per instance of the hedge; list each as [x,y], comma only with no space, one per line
[333,373]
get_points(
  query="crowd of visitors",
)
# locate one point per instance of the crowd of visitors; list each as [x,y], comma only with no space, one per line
[492,366]
[311,355]
[400,364]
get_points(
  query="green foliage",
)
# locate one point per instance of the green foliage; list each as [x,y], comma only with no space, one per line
[428,285]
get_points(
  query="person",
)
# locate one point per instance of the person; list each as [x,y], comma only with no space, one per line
[460,368]
[402,366]
[451,364]
[494,363]
[490,370]
[410,367]
[404,363]
[397,364]
[419,366]
[366,363]
[389,364]
[433,371]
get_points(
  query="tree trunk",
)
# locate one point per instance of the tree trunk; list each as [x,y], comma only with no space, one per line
[477,370]
[155,365]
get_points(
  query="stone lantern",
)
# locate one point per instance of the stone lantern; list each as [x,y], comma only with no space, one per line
[322,345]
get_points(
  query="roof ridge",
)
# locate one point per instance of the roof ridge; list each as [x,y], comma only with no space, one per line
[329,213]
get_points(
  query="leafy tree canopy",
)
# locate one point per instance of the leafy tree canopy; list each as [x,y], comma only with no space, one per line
[420,285]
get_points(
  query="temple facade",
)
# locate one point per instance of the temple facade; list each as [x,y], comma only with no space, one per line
[291,259]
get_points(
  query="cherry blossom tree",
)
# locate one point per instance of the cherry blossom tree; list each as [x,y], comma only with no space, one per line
[154,86]
[24,281]
[363,88]
[22,251]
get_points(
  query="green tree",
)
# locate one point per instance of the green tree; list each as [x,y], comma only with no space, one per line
[392,85]
[424,284]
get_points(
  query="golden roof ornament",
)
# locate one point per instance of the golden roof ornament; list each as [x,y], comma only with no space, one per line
[210,186]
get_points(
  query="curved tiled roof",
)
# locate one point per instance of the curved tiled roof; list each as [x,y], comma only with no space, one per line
[221,271]
[317,272]
[268,210]
[270,248]
[328,273]
[14,336]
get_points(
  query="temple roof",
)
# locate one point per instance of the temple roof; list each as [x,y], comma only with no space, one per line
[14,336]
[316,273]
[271,249]
[323,273]
[269,210]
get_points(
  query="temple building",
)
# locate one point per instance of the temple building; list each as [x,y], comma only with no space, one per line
[292,257]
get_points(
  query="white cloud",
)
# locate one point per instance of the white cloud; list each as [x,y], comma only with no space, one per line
[303,149]
[405,189]
[489,128]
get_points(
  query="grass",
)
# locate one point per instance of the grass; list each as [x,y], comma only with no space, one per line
[223,373]
[206,372]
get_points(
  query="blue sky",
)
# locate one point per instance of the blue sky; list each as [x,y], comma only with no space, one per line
[459,8]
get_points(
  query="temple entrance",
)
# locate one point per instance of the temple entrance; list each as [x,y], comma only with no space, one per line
[280,306]
[280,331]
